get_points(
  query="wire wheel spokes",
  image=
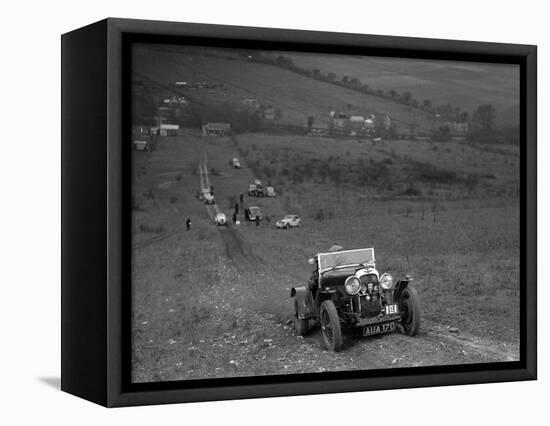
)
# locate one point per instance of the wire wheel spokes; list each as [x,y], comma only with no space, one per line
[325,325]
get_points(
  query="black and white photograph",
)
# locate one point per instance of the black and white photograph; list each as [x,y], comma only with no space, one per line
[298,212]
[279,212]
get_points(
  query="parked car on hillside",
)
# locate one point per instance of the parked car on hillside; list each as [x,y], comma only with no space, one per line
[289,221]
[346,291]
[256,190]
[253,212]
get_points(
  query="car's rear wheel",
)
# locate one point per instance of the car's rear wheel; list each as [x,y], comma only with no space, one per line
[409,306]
[330,326]
[300,325]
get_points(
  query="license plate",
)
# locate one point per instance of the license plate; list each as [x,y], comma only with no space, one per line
[387,327]
[392,309]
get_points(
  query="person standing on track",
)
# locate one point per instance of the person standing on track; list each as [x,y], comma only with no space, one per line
[188,224]
[241,198]
[257,220]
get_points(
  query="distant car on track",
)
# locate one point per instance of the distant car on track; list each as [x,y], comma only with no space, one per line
[236,163]
[220,219]
[289,221]
[253,212]
[209,198]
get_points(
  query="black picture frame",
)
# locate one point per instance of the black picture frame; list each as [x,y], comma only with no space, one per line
[96,246]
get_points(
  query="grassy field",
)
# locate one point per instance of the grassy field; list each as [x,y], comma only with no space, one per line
[353,172]
[214,302]
[449,216]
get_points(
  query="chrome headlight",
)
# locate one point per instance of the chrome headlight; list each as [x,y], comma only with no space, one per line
[352,285]
[386,282]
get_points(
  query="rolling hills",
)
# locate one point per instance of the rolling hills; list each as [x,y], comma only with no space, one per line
[462,84]
[299,96]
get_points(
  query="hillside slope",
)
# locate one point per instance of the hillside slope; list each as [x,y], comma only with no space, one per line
[462,84]
[297,96]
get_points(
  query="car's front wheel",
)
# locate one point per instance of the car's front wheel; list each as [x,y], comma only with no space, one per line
[330,326]
[300,325]
[409,306]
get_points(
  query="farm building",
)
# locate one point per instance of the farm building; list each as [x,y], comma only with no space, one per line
[458,128]
[250,102]
[216,129]
[169,129]
[339,119]
[369,124]
[141,145]
[357,119]
[140,130]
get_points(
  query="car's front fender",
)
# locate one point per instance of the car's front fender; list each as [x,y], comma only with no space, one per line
[399,287]
[303,301]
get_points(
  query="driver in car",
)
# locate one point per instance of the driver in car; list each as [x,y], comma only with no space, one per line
[313,281]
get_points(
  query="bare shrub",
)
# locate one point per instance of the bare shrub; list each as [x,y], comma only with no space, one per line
[412,191]
[149,195]
[319,214]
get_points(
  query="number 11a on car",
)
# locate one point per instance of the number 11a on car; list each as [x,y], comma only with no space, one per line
[391,309]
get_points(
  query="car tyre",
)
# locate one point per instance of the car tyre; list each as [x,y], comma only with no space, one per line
[300,325]
[330,326]
[409,306]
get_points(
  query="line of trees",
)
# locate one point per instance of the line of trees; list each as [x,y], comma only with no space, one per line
[483,127]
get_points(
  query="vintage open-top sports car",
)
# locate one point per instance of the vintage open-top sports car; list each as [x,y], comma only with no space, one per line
[346,291]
